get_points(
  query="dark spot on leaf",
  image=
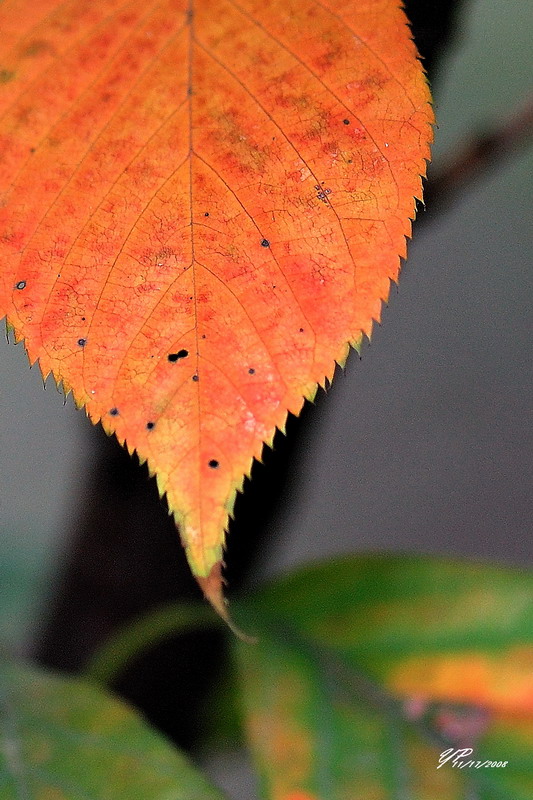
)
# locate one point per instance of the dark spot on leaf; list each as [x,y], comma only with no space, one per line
[204,336]
[214,464]
[206,214]
[32,149]
[301,330]
[113,412]
[6,75]
[150,425]
[82,342]
[20,285]
[83,319]
[251,371]
[176,356]
[163,254]
[265,243]
[195,378]
[35,48]
[346,121]
[322,193]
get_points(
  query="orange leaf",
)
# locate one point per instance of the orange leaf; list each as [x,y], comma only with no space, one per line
[203,204]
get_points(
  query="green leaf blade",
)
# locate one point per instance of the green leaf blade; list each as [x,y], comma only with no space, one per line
[394,659]
[64,739]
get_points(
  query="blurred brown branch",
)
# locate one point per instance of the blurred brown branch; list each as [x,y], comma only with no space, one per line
[480,155]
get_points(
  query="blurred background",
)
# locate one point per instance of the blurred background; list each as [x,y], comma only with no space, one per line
[423,445]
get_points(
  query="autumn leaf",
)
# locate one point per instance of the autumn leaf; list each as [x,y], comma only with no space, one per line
[202,207]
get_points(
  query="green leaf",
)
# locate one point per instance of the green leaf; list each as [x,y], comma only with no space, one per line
[64,739]
[369,668]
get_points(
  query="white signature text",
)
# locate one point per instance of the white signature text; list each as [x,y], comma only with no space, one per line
[456,759]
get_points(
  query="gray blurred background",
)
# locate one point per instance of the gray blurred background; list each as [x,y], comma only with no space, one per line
[424,445]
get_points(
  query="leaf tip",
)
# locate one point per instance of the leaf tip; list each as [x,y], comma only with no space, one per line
[211,586]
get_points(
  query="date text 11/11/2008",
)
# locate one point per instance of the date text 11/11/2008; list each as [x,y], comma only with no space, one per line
[456,758]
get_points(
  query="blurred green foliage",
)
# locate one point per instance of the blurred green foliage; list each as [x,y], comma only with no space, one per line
[366,670]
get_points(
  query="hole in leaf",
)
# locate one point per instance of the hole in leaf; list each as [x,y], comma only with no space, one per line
[177,356]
